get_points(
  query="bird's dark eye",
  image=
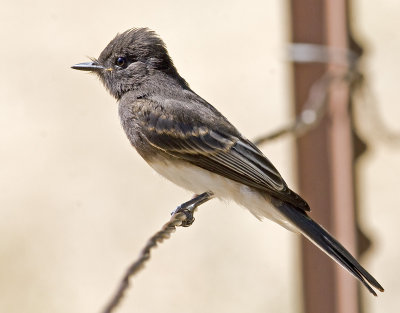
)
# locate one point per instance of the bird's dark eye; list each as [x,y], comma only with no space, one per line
[120,61]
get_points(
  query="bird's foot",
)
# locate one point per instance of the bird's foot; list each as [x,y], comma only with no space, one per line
[190,206]
[188,212]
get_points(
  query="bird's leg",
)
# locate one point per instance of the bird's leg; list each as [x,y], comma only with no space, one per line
[190,206]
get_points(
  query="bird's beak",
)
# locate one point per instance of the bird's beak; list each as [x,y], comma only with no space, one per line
[88,66]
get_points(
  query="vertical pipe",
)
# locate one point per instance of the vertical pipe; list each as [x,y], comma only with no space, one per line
[325,160]
[342,155]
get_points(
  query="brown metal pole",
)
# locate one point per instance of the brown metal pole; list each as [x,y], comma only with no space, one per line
[342,157]
[325,160]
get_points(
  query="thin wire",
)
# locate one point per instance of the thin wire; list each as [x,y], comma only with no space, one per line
[370,117]
[182,216]
[314,109]
[166,231]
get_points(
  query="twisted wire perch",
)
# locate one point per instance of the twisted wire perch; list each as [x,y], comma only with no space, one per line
[182,216]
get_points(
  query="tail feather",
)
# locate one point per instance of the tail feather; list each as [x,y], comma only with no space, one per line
[321,238]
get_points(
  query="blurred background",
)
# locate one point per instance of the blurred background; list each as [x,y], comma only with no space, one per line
[77,203]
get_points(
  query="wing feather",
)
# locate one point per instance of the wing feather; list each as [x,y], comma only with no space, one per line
[218,149]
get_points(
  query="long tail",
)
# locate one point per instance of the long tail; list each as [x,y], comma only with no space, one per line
[321,238]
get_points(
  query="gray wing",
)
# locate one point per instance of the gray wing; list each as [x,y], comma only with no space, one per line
[212,143]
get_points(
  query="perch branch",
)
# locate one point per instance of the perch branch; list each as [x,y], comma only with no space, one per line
[182,216]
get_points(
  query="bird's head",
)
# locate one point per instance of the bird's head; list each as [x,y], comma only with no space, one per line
[129,60]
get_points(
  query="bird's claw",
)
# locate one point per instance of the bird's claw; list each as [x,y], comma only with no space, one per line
[188,211]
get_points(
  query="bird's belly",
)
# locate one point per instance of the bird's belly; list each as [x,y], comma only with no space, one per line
[198,180]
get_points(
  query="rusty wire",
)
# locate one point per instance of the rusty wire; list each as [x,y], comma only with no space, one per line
[314,108]
[165,232]
[182,216]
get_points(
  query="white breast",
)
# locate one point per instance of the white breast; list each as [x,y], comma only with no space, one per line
[198,180]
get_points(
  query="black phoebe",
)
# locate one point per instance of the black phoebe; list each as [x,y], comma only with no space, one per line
[185,139]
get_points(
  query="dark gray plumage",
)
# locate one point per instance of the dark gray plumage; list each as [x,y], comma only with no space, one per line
[189,142]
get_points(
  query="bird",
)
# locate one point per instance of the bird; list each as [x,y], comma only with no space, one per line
[188,141]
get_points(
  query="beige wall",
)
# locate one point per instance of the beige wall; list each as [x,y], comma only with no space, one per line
[76,201]
[377,26]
